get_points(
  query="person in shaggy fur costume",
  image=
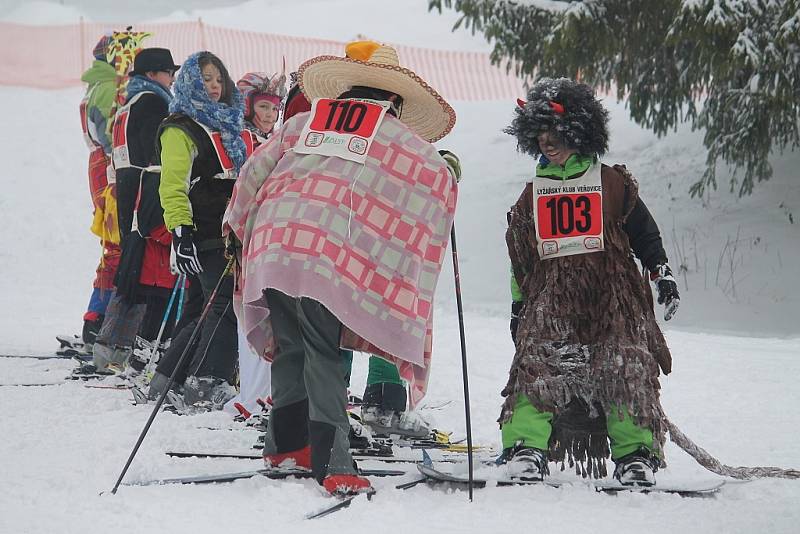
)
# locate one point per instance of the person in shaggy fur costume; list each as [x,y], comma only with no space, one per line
[588,349]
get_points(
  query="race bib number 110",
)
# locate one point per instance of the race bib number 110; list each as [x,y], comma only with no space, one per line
[341,128]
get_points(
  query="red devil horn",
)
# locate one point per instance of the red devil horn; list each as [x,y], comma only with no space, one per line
[558,108]
[521,103]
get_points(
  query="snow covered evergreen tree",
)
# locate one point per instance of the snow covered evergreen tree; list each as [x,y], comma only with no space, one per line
[731,67]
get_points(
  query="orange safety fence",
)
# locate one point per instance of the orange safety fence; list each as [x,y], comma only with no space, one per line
[53,57]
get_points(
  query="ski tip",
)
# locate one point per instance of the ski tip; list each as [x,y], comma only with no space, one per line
[701,490]
[341,504]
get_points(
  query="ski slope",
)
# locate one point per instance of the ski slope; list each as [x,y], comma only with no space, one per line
[735,340]
[63,445]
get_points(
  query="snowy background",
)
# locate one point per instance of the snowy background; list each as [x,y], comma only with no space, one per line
[735,340]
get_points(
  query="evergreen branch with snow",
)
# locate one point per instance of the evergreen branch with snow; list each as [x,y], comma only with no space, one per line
[729,67]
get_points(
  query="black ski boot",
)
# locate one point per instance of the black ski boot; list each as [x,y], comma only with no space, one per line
[637,468]
[90,331]
[526,464]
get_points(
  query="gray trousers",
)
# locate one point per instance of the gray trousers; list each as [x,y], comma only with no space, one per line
[117,335]
[309,393]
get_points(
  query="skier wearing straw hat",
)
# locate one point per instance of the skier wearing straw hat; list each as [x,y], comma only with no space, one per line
[344,217]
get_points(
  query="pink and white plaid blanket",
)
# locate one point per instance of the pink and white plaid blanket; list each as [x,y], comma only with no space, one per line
[367,241]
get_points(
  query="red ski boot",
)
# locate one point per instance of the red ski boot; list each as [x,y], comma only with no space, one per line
[299,459]
[346,484]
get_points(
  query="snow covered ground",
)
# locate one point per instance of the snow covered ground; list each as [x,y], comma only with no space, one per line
[735,340]
[63,445]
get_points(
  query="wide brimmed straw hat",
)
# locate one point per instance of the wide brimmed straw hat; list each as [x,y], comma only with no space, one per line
[374,65]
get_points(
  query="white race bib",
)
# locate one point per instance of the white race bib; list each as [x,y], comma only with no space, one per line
[341,128]
[569,214]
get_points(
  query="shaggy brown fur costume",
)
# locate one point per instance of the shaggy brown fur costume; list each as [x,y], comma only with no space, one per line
[587,332]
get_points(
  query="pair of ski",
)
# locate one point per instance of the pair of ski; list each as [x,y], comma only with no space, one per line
[435,440]
[273,474]
[342,502]
[68,354]
[244,456]
[70,347]
[53,356]
[61,354]
[84,378]
[434,476]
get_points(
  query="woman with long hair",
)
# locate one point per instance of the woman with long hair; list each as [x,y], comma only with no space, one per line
[201,154]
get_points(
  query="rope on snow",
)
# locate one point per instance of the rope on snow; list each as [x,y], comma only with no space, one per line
[715,466]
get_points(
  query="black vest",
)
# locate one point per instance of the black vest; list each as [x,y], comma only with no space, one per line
[209,196]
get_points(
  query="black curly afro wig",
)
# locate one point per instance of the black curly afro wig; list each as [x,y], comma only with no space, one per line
[568,110]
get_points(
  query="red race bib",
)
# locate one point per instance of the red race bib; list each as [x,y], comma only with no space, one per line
[569,214]
[341,128]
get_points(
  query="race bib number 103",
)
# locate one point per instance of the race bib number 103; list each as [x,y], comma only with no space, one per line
[569,214]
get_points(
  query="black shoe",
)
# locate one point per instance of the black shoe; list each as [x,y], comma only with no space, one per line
[637,468]
[90,330]
[386,396]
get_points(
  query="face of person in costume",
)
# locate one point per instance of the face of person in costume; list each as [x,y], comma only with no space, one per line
[554,148]
[212,80]
[265,114]
[164,77]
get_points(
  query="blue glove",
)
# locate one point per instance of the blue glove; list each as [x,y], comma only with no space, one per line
[667,290]
[184,252]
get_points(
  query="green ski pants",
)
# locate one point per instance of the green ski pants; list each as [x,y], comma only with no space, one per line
[532,427]
[380,371]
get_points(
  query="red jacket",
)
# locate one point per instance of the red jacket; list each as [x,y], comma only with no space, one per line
[155,264]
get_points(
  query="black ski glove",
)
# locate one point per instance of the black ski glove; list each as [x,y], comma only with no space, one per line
[184,258]
[233,246]
[667,290]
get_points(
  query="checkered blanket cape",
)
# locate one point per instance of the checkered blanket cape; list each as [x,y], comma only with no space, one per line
[366,240]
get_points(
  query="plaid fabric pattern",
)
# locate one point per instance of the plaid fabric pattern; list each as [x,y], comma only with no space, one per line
[367,241]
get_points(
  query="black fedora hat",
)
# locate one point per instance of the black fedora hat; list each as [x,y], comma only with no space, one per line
[153,60]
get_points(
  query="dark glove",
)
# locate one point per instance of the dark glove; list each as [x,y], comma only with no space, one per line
[667,290]
[184,258]
[516,308]
[453,163]
[233,246]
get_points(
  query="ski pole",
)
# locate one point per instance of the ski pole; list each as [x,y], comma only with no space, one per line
[179,282]
[457,277]
[171,380]
[180,301]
